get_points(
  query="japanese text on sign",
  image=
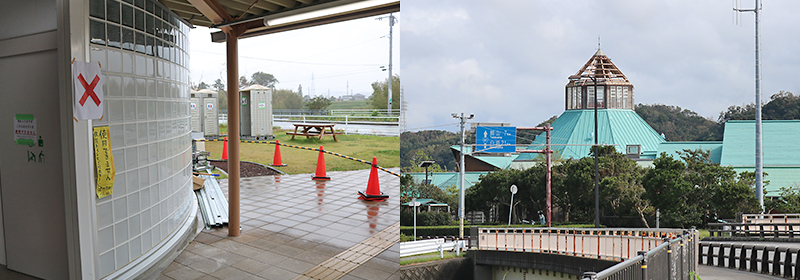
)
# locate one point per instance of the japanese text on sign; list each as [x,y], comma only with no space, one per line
[25,129]
[103,161]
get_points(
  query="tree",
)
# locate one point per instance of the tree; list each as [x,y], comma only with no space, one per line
[243,82]
[493,192]
[264,79]
[222,97]
[379,92]
[300,90]
[433,144]
[286,99]
[679,124]
[219,85]
[319,102]
[698,191]
[202,85]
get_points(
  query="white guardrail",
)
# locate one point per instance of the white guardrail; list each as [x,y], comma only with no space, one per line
[411,248]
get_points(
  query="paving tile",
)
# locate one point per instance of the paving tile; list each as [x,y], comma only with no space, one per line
[185,273]
[207,266]
[277,273]
[207,238]
[230,273]
[187,258]
[292,224]
[295,265]
[251,266]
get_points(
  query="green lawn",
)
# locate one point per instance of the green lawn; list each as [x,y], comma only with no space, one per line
[362,104]
[430,257]
[299,161]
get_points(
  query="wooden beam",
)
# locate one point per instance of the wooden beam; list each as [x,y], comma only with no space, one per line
[263,5]
[212,10]
[284,3]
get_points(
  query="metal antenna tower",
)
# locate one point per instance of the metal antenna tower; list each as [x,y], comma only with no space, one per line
[759,150]
[311,88]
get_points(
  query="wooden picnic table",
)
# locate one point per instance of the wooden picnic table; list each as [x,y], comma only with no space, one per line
[313,130]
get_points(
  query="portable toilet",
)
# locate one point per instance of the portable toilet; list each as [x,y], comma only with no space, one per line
[256,112]
[196,111]
[210,119]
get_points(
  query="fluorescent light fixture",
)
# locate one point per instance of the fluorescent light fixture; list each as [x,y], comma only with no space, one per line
[327,12]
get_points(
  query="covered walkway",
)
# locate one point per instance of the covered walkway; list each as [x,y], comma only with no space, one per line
[292,225]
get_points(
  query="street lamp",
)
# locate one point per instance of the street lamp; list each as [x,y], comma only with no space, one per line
[414,204]
[426,164]
[511,210]
[462,120]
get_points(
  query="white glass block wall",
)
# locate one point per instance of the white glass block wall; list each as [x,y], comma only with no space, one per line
[143,52]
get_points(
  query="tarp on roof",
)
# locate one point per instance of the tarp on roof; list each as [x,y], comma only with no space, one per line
[573,132]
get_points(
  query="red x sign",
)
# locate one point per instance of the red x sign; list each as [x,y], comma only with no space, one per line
[89,89]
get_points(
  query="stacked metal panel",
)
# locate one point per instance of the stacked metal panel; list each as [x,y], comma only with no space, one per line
[213,204]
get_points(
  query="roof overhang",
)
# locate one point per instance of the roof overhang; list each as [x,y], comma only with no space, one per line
[260,17]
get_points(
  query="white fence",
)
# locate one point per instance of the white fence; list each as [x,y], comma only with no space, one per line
[411,248]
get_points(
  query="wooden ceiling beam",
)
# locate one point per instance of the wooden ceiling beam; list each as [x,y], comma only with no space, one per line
[261,4]
[284,3]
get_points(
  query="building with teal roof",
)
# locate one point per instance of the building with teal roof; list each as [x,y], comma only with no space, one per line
[780,148]
[620,126]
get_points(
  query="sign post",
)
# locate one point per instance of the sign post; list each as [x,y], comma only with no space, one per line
[511,210]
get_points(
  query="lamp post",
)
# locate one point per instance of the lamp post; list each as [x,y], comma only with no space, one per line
[462,120]
[511,210]
[426,164]
[414,204]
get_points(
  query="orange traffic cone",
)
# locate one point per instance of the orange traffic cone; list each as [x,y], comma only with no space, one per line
[276,161]
[373,186]
[320,175]
[225,149]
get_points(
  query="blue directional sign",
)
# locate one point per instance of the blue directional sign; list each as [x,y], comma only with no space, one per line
[496,139]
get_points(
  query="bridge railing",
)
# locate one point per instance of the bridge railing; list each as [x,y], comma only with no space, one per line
[775,260]
[616,244]
[722,231]
[771,218]
[673,259]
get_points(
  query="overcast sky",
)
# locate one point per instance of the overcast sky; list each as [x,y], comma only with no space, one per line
[336,54]
[508,61]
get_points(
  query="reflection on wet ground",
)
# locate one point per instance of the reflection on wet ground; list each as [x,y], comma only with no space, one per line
[292,225]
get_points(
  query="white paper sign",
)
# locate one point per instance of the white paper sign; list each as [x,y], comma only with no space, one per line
[88,90]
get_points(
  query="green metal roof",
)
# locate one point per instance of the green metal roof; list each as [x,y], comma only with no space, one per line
[445,179]
[427,202]
[573,131]
[780,143]
[778,177]
[672,148]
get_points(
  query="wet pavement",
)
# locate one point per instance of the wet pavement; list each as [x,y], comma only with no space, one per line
[297,228]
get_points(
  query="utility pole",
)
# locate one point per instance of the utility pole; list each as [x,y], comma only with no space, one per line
[392,20]
[759,150]
[462,120]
